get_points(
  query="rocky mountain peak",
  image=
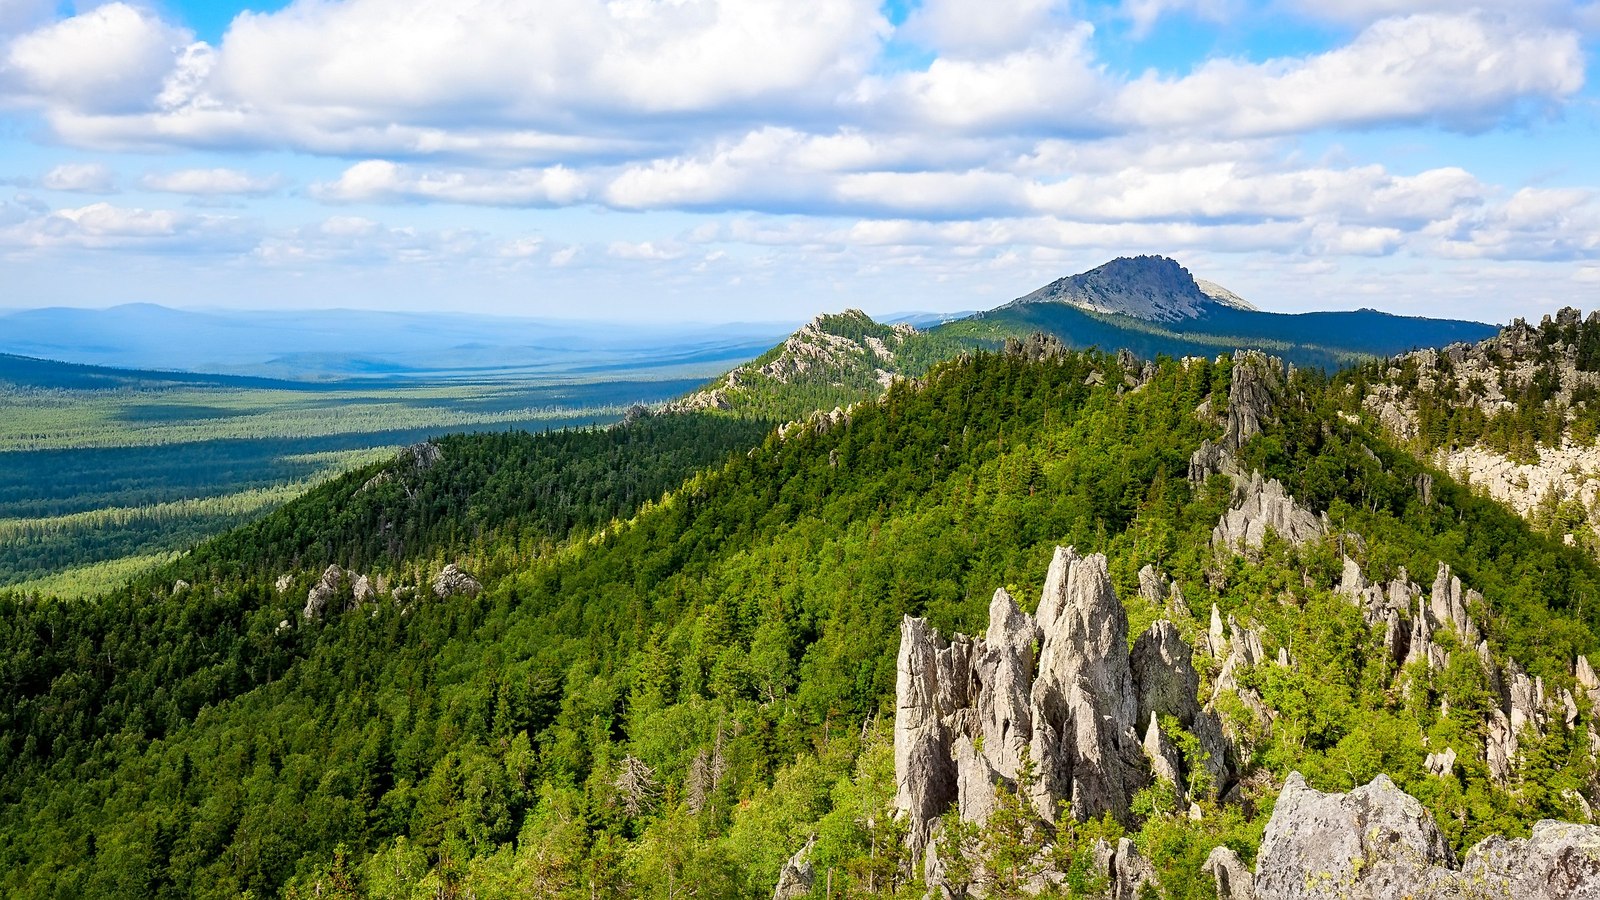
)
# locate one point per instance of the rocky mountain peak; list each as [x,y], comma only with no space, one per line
[836,350]
[1155,288]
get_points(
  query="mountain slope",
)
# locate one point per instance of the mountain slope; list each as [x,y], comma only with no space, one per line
[1143,287]
[683,696]
[1517,415]
[833,361]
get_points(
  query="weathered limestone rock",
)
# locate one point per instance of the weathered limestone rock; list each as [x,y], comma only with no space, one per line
[1085,709]
[284,582]
[363,590]
[1379,842]
[1165,762]
[1262,505]
[797,876]
[1559,861]
[1159,590]
[323,592]
[1449,606]
[1167,685]
[1217,639]
[966,710]
[452,581]
[1004,713]
[976,782]
[1256,377]
[1235,881]
[1131,873]
[1374,843]
[1246,643]
[924,770]
[1500,746]
[1442,763]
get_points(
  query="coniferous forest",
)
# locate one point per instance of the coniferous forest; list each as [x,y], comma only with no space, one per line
[680,667]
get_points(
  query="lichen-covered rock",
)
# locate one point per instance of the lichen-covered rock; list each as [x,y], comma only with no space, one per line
[323,592]
[1261,505]
[1234,879]
[452,581]
[1374,843]
[1559,861]
[1085,709]
[798,874]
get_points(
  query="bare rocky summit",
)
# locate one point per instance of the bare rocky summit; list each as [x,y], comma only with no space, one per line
[1154,288]
[835,350]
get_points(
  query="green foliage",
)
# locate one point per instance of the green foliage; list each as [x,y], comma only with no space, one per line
[682,666]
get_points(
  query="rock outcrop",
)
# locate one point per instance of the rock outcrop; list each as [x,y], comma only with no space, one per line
[798,874]
[323,592]
[1257,379]
[1378,842]
[1559,861]
[1234,879]
[451,581]
[971,714]
[1375,842]
[1262,505]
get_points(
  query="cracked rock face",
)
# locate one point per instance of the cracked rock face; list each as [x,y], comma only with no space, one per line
[452,581]
[1261,505]
[1374,843]
[1379,842]
[1086,713]
[1061,689]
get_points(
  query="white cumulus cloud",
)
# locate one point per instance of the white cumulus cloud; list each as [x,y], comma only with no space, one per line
[1459,71]
[111,59]
[216,182]
[88,178]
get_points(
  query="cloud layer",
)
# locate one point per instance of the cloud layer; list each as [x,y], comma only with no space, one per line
[990,132]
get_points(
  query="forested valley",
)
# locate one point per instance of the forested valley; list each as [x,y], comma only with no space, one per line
[658,659]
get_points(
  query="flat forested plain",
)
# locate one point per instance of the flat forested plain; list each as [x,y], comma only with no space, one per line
[104,471]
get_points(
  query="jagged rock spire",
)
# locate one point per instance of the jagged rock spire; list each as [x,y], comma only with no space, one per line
[968,709]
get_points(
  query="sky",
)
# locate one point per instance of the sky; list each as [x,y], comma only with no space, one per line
[766,160]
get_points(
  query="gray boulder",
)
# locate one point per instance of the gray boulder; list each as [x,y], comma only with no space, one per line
[797,876]
[452,581]
[1559,861]
[323,592]
[1374,843]
[1234,879]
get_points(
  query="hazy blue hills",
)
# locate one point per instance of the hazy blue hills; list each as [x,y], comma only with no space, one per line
[324,344]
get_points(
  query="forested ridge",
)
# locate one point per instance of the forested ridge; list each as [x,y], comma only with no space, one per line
[682,664]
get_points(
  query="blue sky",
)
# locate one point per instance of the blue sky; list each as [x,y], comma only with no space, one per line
[715,160]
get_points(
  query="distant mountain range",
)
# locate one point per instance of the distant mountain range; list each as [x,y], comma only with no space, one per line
[1152,306]
[1148,305]
[342,344]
